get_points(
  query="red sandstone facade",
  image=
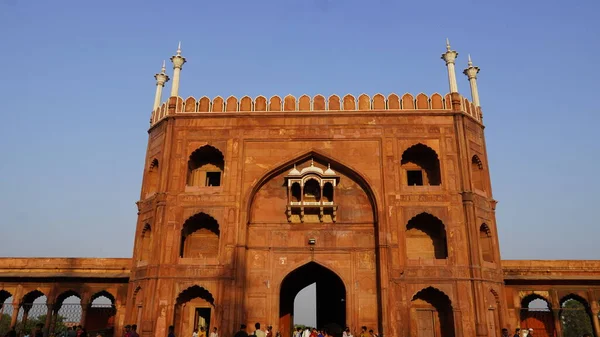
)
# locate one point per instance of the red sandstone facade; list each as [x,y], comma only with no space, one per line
[385,202]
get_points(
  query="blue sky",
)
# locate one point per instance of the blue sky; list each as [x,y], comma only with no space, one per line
[77,87]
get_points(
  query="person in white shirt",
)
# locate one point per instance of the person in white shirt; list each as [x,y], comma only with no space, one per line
[258,332]
[214,333]
[306,333]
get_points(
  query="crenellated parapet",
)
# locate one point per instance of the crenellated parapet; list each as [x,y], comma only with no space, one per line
[317,103]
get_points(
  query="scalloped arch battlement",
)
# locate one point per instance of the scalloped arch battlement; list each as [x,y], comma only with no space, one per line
[290,103]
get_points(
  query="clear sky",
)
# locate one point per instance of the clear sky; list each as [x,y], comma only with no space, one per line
[77,88]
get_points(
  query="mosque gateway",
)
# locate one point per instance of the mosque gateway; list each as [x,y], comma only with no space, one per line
[383,202]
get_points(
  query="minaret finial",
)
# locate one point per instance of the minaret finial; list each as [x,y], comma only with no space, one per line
[164,67]
[178,62]
[450,56]
[161,79]
[471,73]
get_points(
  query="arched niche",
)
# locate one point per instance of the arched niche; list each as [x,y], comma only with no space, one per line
[145,242]
[422,166]
[205,167]
[356,203]
[536,313]
[200,237]
[426,238]
[194,307]
[486,243]
[432,311]
[576,316]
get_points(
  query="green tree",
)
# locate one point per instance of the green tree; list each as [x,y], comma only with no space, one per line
[59,327]
[4,324]
[575,319]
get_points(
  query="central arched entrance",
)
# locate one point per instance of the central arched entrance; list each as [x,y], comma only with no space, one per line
[331,298]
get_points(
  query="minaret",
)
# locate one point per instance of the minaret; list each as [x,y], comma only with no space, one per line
[449,56]
[178,62]
[471,73]
[161,79]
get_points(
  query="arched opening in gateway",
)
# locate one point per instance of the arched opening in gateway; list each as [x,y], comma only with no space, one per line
[330,298]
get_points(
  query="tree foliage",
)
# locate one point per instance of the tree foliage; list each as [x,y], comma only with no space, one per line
[30,324]
[575,319]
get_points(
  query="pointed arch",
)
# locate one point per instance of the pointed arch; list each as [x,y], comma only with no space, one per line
[421,165]
[204,104]
[477,173]
[275,103]
[102,293]
[260,103]
[333,103]
[432,310]
[186,305]
[246,103]
[218,104]
[32,296]
[349,102]
[437,102]
[200,237]
[146,242]
[576,315]
[304,103]
[193,292]
[364,102]
[205,167]
[331,299]
[426,238]
[289,103]
[336,164]
[486,243]
[232,104]
[4,295]
[536,312]
[190,104]
[66,294]
[379,102]
[319,103]
[153,175]
[393,102]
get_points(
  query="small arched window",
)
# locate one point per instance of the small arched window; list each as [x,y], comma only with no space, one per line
[146,243]
[486,243]
[312,191]
[422,166]
[477,173]
[328,192]
[205,167]
[426,238]
[152,181]
[200,237]
[296,192]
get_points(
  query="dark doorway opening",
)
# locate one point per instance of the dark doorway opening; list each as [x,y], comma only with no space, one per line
[202,319]
[331,298]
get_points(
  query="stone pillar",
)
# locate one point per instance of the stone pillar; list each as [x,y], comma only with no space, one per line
[161,79]
[26,309]
[471,73]
[15,315]
[450,56]
[178,62]
[84,308]
[48,321]
[595,310]
[557,324]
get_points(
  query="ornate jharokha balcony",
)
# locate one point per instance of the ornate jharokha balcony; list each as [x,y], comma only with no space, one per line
[311,193]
